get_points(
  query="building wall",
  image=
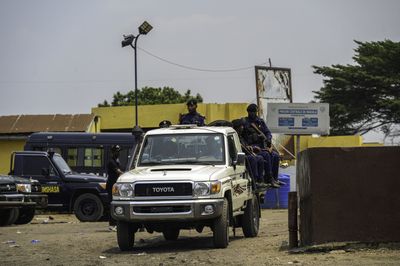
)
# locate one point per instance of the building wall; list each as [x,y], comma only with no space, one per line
[7,146]
[123,117]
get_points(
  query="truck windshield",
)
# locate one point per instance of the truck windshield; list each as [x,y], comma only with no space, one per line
[61,164]
[183,149]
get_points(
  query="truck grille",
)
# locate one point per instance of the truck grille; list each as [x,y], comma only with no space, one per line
[8,188]
[163,189]
[161,209]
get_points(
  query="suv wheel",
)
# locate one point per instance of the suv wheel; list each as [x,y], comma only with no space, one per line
[88,208]
[171,234]
[251,218]
[221,227]
[126,235]
[26,215]
[8,216]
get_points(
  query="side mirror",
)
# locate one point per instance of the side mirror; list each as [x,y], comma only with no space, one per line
[240,159]
[46,172]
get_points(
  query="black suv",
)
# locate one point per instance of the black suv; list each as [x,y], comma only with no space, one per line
[67,191]
[19,198]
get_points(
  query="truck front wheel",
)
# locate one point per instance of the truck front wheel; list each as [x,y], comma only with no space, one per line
[251,218]
[8,216]
[171,234]
[126,235]
[26,215]
[88,208]
[221,227]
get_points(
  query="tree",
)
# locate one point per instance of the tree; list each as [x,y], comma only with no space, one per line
[364,96]
[150,95]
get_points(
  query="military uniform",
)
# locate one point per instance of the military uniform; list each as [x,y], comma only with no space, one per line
[192,117]
[262,141]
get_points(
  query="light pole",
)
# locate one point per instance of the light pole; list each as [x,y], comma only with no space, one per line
[128,40]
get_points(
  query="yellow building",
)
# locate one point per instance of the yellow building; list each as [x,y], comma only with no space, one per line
[122,118]
[14,130]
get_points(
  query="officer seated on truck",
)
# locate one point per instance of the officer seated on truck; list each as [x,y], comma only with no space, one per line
[255,163]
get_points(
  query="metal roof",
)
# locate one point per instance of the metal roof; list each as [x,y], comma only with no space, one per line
[19,124]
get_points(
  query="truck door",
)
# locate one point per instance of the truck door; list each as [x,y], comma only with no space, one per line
[239,181]
[39,167]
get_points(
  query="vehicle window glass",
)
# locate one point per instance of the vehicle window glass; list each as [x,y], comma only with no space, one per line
[232,148]
[183,149]
[94,157]
[56,150]
[61,164]
[123,157]
[33,165]
[72,157]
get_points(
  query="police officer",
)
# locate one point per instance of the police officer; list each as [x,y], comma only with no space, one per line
[164,124]
[113,171]
[255,163]
[259,137]
[192,117]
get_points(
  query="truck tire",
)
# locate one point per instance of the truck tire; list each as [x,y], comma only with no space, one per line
[221,227]
[8,216]
[25,216]
[171,234]
[126,235]
[251,218]
[88,208]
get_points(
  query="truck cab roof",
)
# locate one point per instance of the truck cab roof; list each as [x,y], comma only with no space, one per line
[184,129]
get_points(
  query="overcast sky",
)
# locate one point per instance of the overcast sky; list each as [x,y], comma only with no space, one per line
[66,56]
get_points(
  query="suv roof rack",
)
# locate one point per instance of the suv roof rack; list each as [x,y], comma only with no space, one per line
[183,126]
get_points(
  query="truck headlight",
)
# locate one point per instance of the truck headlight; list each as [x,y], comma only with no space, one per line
[123,190]
[201,189]
[206,188]
[24,188]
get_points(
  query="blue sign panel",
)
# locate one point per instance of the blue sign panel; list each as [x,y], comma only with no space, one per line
[286,121]
[309,122]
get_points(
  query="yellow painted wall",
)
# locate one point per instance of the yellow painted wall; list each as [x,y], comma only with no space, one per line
[6,147]
[333,141]
[113,118]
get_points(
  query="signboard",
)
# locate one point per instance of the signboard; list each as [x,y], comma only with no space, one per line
[298,118]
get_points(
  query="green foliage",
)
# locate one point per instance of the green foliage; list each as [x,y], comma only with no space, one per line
[364,96]
[150,95]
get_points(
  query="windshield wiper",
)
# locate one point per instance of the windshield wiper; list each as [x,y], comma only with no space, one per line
[152,163]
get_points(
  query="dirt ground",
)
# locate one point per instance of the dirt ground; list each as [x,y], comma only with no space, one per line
[63,240]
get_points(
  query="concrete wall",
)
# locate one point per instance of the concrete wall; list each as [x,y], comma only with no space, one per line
[6,147]
[123,117]
[349,194]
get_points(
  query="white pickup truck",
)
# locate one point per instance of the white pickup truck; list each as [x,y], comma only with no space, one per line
[187,177]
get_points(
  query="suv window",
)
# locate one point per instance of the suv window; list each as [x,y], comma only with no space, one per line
[72,157]
[205,148]
[94,157]
[232,149]
[33,165]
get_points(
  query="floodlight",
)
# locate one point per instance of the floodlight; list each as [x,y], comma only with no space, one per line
[128,39]
[145,28]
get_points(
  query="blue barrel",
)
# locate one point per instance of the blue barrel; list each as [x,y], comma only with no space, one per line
[278,198]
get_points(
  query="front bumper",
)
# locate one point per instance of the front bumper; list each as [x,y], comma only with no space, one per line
[14,201]
[167,210]
[40,200]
